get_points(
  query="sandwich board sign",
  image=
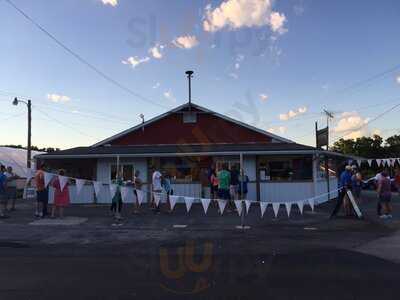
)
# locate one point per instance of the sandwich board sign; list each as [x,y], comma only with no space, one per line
[354,204]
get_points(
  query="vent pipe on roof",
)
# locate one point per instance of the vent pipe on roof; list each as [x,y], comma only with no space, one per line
[142,117]
[189,76]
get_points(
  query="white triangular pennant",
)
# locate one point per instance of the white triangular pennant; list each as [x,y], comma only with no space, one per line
[47,178]
[125,193]
[63,181]
[238,205]
[392,162]
[79,185]
[222,205]
[359,162]
[140,196]
[275,207]
[172,201]
[113,189]
[97,187]
[248,203]
[206,204]
[157,198]
[189,202]
[311,203]
[369,162]
[288,208]
[300,204]
[378,162]
[263,207]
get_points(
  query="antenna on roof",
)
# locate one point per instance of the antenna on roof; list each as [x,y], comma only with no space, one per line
[189,76]
[142,117]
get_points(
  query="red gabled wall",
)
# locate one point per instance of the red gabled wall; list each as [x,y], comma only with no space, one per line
[208,129]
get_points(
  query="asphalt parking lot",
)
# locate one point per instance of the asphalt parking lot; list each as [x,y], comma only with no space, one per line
[149,257]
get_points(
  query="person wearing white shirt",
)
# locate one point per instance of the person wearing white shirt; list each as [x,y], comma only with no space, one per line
[157,188]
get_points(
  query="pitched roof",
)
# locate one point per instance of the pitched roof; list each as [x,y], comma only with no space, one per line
[198,108]
[174,150]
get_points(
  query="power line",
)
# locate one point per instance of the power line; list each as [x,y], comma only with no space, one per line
[82,60]
[63,124]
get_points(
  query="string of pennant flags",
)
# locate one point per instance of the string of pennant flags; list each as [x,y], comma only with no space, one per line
[380,162]
[127,192]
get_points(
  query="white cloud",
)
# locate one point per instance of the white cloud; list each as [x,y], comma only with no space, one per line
[110,2]
[235,14]
[277,22]
[169,96]
[156,86]
[58,98]
[398,79]
[263,97]
[237,66]
[134,61]
[280,129]
[351,125]
[293,113]
[186,41]
[156,51]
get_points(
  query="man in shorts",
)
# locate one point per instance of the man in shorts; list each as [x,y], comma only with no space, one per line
[3,194]
[11,187]
[224,181]
[42,193]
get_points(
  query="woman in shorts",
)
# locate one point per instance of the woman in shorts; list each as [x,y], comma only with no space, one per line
[385,195]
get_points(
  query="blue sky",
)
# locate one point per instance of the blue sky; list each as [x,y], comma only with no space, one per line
[273,64]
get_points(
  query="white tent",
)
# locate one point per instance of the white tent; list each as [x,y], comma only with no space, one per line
[16,158]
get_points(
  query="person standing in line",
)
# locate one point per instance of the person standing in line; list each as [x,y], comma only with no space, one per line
[61,197]
[42,193]
[243,186]
[214,185]
[166,184]
[344,185]
[397,180]
[3,193]
[356,181]
[385,195]
[157,189]
[116,201]
[11,188]
[224,181]
[234,184]
[137,184]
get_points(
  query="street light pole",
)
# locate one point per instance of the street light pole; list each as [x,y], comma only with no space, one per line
[29,150]
[29,146]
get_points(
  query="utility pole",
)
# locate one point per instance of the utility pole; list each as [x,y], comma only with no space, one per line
[189,76]
[29,150]
[29,146]
[329,115]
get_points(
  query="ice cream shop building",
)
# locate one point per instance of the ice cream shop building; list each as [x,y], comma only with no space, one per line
[186,142]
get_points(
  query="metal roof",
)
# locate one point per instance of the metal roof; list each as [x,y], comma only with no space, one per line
[181,150]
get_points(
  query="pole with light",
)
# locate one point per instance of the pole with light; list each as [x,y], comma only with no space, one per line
[29,105]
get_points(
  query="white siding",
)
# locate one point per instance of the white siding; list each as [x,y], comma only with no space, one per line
[286,191]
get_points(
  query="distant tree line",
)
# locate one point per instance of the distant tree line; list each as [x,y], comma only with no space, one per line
[34,148]
[369,147]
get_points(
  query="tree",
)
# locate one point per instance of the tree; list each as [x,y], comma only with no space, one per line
[369,147]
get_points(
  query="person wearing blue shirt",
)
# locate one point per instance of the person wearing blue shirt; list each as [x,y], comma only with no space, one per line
[3,191]
[344,185]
